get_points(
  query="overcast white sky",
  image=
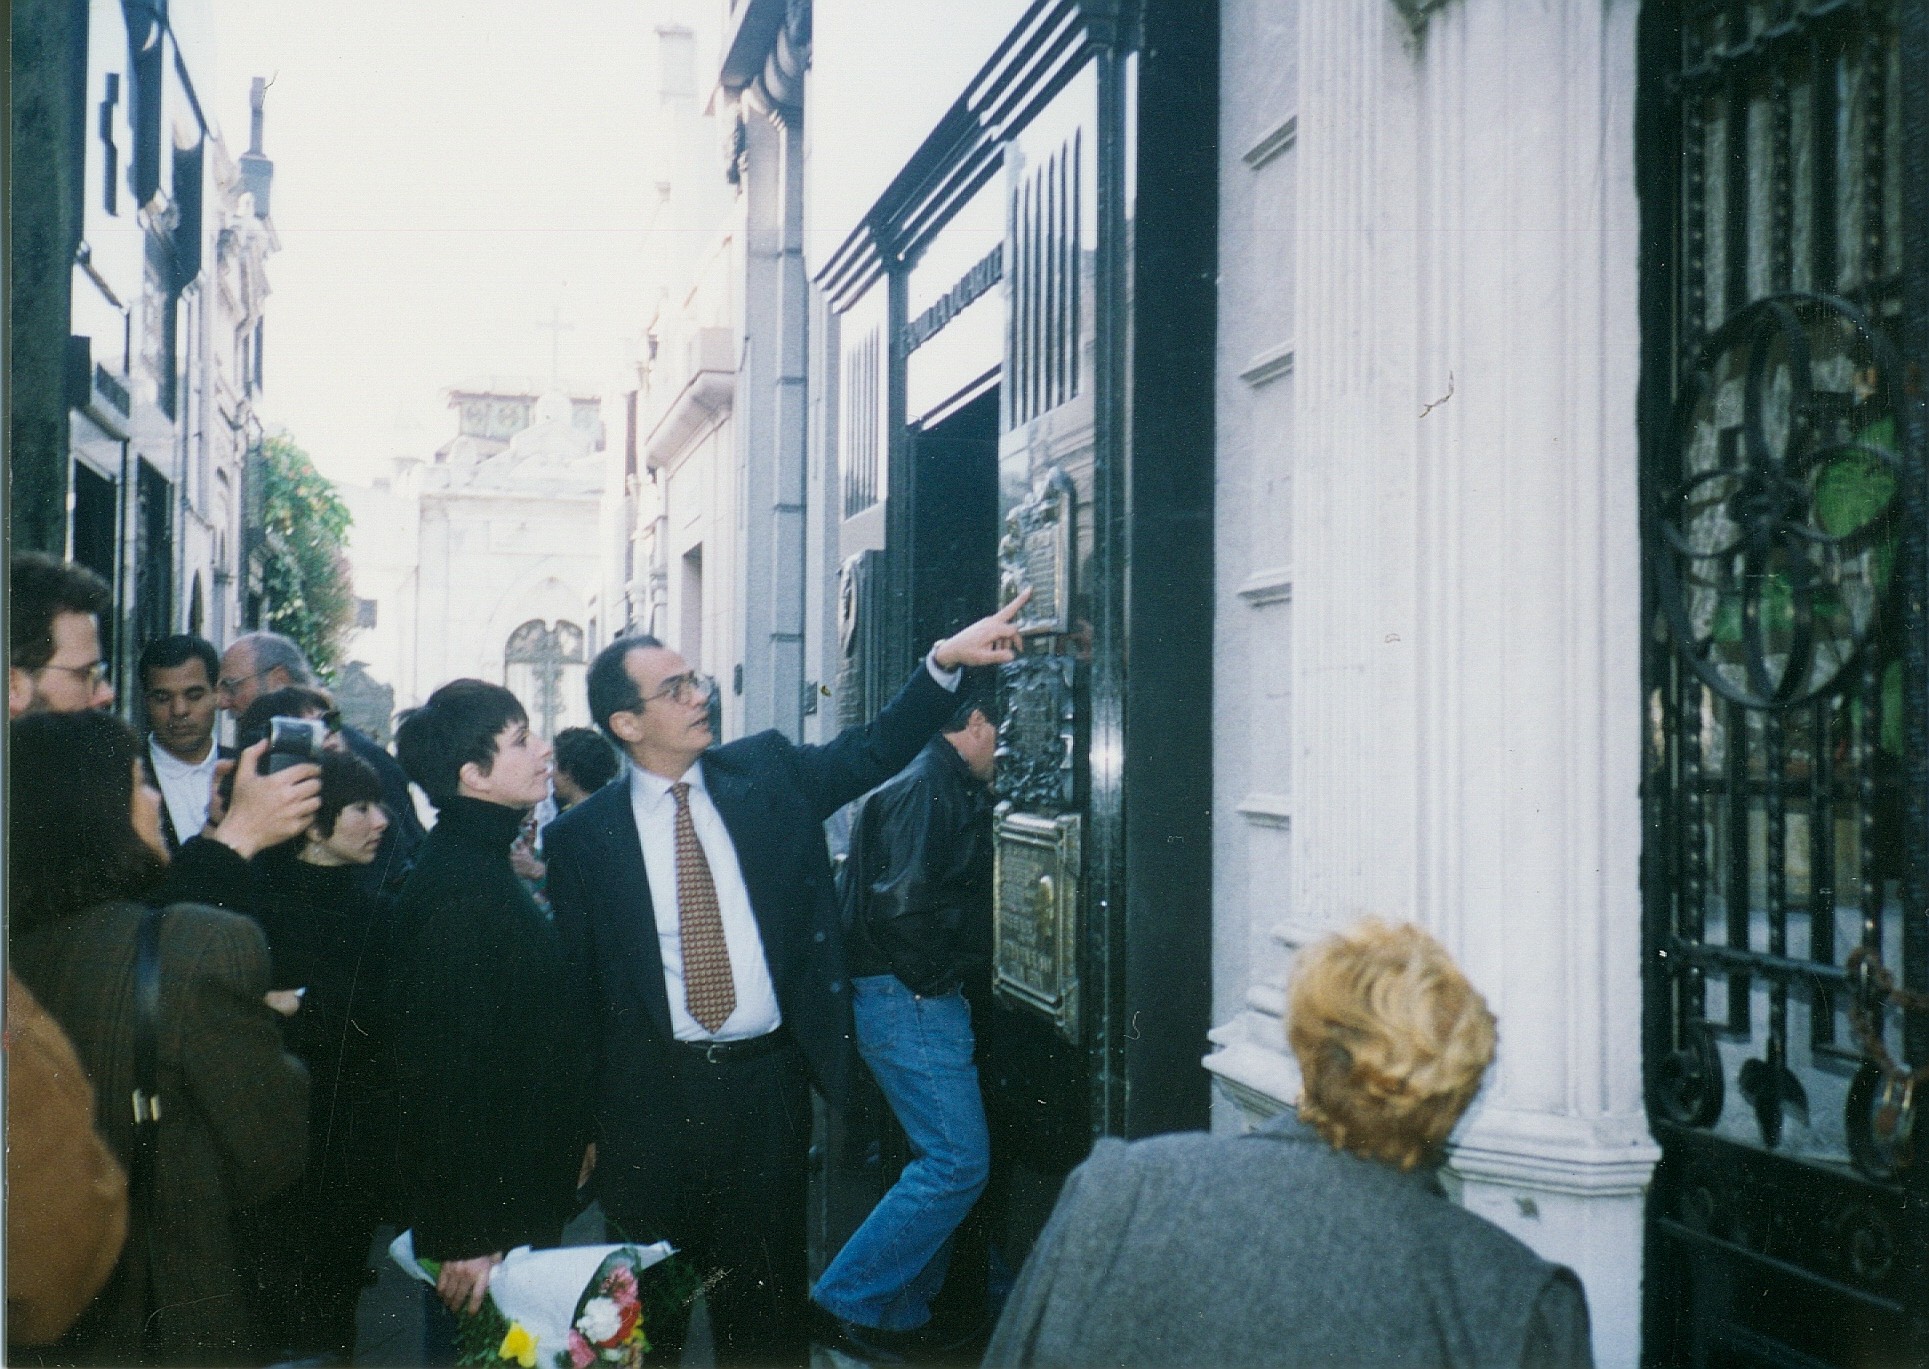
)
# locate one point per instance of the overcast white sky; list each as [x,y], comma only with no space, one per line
[447,173]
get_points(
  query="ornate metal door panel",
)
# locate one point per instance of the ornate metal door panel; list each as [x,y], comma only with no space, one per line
[1047,1056]
[1787,851]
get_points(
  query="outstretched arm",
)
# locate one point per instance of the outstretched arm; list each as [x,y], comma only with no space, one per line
[861,758]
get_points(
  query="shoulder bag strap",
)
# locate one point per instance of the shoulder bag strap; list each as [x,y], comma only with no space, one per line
[147,1034]
[147,1095]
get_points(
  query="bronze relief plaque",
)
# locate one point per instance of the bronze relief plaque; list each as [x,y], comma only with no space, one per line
[1037,736]
[1035,929]
[1035,553]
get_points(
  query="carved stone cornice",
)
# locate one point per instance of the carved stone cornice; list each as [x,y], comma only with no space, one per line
[765,56]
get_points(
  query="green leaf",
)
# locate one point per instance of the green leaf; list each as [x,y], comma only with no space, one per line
[306,584]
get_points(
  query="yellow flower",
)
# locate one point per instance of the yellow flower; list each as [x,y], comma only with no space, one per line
[519,1346]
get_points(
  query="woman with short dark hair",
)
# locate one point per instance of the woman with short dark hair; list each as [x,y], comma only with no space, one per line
[489,1036]
[329,943]
[233,1115]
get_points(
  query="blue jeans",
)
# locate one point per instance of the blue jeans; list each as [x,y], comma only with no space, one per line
[919,1050]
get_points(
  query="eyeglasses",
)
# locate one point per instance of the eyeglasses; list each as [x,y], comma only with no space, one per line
[93,675]
[228,686]
[688,688]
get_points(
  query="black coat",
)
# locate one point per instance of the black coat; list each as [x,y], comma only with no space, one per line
[205,871]
[489,1053]
[327,937]
[916,891]
[773,796]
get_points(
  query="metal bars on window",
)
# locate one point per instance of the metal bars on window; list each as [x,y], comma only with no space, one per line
[1045,235]
[863,425]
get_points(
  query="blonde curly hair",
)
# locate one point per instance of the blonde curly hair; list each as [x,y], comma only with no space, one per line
[1391,1038]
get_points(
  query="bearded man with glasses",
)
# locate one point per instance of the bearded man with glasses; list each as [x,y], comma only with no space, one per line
[55,665]
[695,904]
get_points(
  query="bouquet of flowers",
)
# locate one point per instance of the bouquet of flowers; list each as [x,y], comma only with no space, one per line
[569,1308]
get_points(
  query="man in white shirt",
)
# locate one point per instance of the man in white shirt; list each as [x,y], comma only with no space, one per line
[695,904]
[178,676]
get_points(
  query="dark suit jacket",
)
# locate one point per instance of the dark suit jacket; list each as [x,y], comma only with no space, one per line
[226,753]
[773,796]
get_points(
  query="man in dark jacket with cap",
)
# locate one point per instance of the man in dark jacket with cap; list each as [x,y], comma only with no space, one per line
[916,893]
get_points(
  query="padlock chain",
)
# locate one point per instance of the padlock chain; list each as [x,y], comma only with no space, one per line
[1878,985]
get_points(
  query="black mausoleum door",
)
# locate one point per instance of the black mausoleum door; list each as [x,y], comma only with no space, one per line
[1786,709]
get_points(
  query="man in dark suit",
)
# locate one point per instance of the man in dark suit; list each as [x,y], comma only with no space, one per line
[257,662]
[695,903]
[177,690]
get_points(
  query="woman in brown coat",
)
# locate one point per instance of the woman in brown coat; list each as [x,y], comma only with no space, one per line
[66,1195]
[86,847]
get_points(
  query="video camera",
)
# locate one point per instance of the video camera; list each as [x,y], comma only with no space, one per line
[293,741]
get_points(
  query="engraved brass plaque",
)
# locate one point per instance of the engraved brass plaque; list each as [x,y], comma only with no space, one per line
[1035,553]
[1036,731]
[1035,933]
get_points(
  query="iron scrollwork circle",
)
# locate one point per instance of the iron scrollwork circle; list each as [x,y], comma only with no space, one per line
[1775,548]
[1867,1243]
[1689,1090]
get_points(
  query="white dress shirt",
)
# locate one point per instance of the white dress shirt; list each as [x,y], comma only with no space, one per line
[185,788]
[654,807]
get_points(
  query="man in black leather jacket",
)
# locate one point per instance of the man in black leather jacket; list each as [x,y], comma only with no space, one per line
[916,895]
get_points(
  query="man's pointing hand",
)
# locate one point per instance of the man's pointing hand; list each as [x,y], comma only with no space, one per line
[992,640]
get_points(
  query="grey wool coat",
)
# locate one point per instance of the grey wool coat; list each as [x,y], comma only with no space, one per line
[1276,1249]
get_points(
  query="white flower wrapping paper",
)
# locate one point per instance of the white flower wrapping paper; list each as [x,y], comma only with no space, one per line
[539,1288]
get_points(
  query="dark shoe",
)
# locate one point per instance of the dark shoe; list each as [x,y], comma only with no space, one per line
[866,1344]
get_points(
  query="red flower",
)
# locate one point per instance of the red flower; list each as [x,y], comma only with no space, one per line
[632,1314]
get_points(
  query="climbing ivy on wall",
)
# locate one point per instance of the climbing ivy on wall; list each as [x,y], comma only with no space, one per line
[308,591]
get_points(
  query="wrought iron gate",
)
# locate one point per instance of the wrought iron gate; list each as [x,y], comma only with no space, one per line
[1787,691]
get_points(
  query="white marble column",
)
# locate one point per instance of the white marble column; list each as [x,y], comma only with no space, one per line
[1465,648]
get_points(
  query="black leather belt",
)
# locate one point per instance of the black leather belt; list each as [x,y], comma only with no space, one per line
[730,1052]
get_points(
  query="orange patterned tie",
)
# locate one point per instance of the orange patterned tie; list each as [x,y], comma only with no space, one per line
[707,985]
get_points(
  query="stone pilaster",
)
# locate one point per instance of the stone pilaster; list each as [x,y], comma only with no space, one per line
[1464,642]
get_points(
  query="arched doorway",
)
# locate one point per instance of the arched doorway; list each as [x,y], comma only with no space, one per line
[545,668]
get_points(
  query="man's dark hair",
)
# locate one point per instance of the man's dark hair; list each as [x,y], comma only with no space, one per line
[290,701]
[42,589]
[458,725]
[960,717]
[345,778]
[165,653]
[73,838]
[586,756]
[611,690]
